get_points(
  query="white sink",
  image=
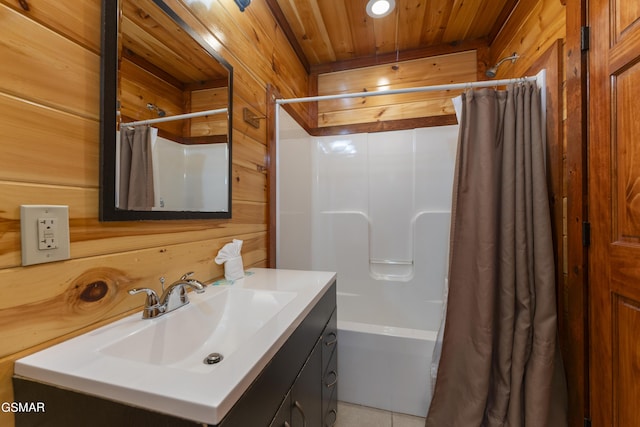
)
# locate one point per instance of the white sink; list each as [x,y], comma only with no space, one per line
[187,335]
[158,364]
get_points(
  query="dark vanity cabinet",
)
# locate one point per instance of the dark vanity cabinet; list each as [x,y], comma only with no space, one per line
[299,385]
[309,403]
[296,388]
[302,406]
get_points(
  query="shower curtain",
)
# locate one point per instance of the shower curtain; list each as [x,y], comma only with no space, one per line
[136,169]
[500,363]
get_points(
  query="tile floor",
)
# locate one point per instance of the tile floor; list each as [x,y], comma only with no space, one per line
[350,415]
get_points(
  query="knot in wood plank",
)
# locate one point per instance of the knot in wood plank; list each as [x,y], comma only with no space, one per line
[94,291]
[97,286]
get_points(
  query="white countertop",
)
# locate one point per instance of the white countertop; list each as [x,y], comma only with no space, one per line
[183,387]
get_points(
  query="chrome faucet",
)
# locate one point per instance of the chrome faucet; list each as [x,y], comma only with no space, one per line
[175,296]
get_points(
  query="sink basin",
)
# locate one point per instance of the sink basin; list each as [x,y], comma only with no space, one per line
[158,364]
[186,336]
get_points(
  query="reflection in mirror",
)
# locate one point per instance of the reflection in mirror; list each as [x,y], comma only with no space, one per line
[165,122]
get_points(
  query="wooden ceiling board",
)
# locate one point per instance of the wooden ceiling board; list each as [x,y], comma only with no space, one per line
[410,24]
[435,22]
[362,29]
[152,35]
[145,46]
[387,33]
[330,31]
[339,30]
[490,12]
[472,20]
[305,19]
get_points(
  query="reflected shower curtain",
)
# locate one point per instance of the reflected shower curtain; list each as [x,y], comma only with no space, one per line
[136,169]
[500,363]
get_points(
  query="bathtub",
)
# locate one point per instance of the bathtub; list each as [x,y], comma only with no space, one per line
[387,328]
[385,364]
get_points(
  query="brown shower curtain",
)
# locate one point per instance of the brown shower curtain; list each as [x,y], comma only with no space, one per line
[500,363]
[136,169]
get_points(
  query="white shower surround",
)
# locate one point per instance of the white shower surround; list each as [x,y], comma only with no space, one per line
[185,177]
[345,201]
[190,177]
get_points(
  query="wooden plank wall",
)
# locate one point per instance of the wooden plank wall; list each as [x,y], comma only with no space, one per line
[533,28]
[209,99]
[49,145]
[436,70]
[138,87]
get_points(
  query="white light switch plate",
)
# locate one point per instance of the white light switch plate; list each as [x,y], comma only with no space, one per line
[45,233]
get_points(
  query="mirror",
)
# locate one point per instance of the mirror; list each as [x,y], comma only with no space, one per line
[165,119]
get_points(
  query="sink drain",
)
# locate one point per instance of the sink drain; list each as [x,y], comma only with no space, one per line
[213,358]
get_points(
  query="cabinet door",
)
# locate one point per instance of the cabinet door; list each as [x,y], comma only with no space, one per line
[329,340]
[306,394]
[283,416]
[329,391]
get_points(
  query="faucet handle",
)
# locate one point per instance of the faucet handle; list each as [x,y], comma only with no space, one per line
[152,296]
[185,276]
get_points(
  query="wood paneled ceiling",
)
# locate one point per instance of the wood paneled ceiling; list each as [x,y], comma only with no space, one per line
[338,34]
[151,39]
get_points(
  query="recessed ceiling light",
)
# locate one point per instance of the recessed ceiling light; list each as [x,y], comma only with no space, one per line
[380,8]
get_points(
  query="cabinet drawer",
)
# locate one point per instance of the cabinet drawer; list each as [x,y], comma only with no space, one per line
[330,390]
[329,340]
[330,415]
[330,376]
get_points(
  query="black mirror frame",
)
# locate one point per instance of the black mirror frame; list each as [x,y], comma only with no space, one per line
[108,97]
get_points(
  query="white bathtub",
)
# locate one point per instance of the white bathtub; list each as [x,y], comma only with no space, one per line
[383,364]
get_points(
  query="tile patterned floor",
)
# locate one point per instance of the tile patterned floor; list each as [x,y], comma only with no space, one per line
[350,415]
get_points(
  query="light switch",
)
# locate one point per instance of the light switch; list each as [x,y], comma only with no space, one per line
[45,233]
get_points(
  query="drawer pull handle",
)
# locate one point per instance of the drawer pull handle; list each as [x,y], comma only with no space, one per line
[286,424]
[333,340]
[335,418]
[335,379]
[299,408]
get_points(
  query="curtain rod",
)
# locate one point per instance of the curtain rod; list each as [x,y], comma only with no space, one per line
[453,86]
[176,117]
